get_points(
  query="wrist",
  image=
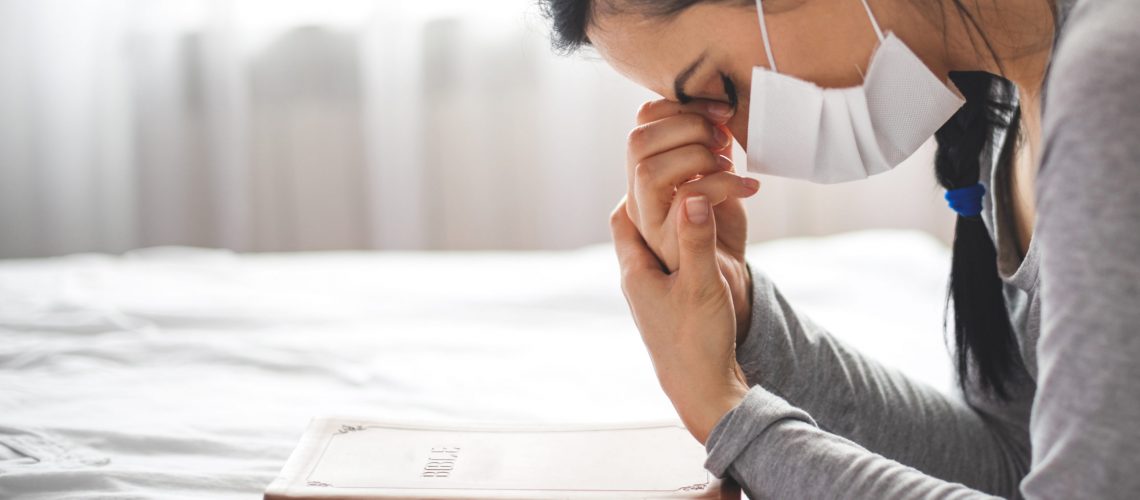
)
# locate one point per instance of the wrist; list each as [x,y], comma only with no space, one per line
[702,419]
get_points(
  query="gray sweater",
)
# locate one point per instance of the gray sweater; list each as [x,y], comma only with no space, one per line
[823,421]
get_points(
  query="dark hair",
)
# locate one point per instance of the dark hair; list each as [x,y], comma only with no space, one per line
[982,329]
[981,321]
[570,18]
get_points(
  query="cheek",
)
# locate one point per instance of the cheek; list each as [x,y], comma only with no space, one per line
[738,125]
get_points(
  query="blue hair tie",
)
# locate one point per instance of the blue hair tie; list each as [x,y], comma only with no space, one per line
[967,201]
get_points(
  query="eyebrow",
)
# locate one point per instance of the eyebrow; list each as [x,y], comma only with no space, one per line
[683,78]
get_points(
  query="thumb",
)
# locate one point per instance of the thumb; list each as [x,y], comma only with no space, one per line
[696,236]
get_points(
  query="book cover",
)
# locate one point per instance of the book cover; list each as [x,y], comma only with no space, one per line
[348,458]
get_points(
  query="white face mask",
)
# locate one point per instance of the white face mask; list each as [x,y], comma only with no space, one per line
[797,129]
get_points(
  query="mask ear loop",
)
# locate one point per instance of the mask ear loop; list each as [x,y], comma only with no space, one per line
[764,34]
[768,45]
[874,23]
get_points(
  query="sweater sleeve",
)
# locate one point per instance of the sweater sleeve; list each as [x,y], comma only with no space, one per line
[866,422]
[774,450]
[1085,433]
[861,406]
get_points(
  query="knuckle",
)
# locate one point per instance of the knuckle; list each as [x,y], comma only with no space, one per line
[699,155]
[646,111]
[704,293]
[643,173]
[697,127]
[631,214]
[697,123]
[630,281]
[694,245]
[627,278]
[732,182]
[636,138]
[721,180]
[617,214]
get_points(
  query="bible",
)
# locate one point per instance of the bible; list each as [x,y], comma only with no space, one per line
[347,458]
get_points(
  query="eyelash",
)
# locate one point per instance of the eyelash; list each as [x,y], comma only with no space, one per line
[729,90]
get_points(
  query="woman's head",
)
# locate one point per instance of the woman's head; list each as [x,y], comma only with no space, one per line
[654,43]
[684,49]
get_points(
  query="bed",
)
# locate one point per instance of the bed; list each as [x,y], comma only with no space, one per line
[175,372]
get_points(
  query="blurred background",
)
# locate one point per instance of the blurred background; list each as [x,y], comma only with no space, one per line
[291,125]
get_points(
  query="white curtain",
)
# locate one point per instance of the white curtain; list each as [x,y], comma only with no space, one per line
[264,125]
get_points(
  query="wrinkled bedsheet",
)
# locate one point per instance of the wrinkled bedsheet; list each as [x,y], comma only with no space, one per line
[176,372]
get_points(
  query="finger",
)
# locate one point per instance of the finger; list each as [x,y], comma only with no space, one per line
[719,187]
[634,257]
[655,179]
[715,111]
[674,131]
[727,149]
[696,241]
[731,226]
[658,179]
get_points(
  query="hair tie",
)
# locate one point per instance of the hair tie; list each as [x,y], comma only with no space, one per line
[967,201]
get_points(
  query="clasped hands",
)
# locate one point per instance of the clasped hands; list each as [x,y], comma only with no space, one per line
[680,233]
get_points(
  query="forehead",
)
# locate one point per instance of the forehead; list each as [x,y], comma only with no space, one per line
[651,50]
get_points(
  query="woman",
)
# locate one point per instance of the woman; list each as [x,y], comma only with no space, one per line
[1036,111]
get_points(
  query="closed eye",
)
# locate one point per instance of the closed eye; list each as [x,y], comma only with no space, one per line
[729,89]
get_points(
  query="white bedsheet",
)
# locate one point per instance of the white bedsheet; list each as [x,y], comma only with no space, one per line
[179,372]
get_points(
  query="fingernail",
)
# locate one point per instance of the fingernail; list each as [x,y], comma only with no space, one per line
[720,137]
[720,110]
[750,184]
[697,209]
[724,162]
